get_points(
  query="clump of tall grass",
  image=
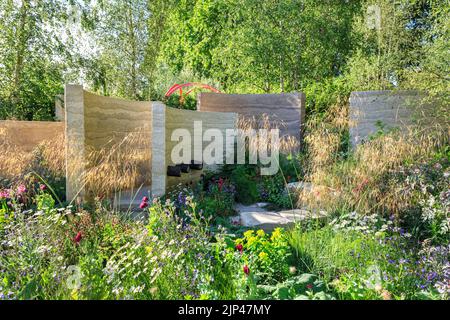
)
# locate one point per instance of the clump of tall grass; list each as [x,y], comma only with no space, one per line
[288,143]
[47,159]
[119,166]
[357,179]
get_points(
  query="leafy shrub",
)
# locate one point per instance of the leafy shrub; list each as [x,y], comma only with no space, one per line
[187,102]
[219,198]
[273,189]
[246,188]
[303,287]
[425,194]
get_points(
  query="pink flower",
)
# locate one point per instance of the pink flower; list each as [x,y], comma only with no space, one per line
[145,199]
[21,189]
[246,269]
[143,205]
[78,238]
[4,194]
[43,187]
[239,247]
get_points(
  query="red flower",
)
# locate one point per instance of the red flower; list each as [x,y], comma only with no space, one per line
[220,184]
[78,238]
[145,199]
[246,269]
[143,205]
[239,247]
[309,286]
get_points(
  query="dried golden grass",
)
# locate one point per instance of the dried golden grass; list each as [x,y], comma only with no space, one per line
[119,166]
[16,163]
[358,183]
[288,144]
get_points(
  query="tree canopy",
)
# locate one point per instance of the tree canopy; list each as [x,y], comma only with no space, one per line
[137,49]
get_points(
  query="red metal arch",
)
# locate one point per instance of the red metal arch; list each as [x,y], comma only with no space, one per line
[179,87]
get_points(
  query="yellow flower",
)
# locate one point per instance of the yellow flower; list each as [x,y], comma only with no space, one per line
[262,255]
[248,233]
[260,233]
[276,234]
[251,240]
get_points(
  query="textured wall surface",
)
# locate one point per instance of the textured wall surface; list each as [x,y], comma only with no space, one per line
[59,108]
[75,141]
[110,120]
[287,109]
[184,119]
[389,108]
[96,123]
[28,134]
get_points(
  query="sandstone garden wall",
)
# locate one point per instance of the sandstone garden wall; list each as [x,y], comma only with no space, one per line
[128,134]
[108,143]
[27,135]
[176,118]
[59,108]
[285,111]
[370,110]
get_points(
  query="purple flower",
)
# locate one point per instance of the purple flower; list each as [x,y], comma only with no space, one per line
[431,276]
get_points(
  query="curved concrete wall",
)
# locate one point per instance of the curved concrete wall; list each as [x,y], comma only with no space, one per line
[389,108]
[95,123]
[109,120]
[285,108]
[27,135]
[184,119]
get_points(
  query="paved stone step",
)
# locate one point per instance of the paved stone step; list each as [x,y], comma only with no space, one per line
[256,216]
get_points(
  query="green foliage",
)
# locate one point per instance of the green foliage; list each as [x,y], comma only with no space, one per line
[302,287]
[367,257]
[426,187]
[273,189]
[218,201]
[254,46]
[138,49]
[188,103]
[44,201]
[246,189]
[29,76]
[321,95]
[405,52]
